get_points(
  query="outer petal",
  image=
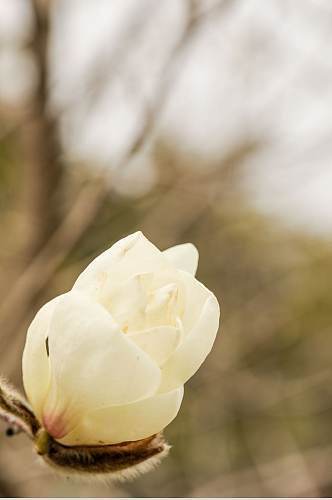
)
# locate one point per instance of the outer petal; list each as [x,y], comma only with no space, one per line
[116,424]
[195,295]
[184,257]
[159,342]
[132,255]
[191,353]
[93,364]
[35,362]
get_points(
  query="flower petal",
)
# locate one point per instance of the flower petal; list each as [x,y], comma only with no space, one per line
[93,364]
[35,362]
[194,297]
[184,257]
[116,424]
[159,342]
[132,255]
[191,353]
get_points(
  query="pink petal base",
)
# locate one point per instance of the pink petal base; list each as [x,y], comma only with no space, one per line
[55,425]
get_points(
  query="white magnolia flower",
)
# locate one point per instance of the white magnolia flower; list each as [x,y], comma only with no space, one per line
[106,362]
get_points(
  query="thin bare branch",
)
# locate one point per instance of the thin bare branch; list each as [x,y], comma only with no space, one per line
[42,168]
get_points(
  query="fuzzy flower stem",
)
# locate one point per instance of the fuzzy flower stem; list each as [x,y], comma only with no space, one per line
[42,442]
[123,460]
[15,411]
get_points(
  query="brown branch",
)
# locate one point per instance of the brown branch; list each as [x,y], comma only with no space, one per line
[15,411]
[42,168]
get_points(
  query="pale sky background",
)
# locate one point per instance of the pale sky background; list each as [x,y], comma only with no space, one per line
[259,69]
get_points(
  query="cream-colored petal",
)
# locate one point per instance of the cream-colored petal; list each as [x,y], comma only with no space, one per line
[35,362]
[159,342]
[162,305]
[127,301]
[191,353]
[93,364]
[116,424]
[184,257]
[132,255]
[194,298]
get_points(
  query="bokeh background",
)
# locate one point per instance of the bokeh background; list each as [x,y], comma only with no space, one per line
[207,121]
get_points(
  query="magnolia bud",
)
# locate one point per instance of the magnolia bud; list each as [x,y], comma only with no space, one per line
[104,365]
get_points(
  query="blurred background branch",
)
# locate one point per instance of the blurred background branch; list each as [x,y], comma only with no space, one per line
[42,167]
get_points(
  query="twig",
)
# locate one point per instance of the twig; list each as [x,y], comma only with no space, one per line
[14,410]
[42,168]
